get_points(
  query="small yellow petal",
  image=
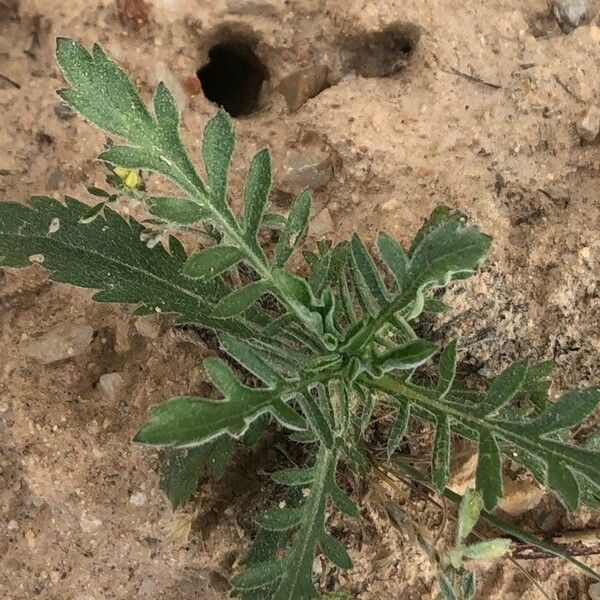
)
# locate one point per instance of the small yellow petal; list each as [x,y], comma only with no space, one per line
[121,172]
[132,180]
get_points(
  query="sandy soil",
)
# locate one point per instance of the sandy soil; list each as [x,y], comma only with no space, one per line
[508,154]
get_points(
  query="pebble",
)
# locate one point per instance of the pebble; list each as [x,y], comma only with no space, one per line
[589,126]
[570,14]
[519,496]
[594,591]
[65,340]
[303,170]
[302,85]
[63,111]
[137,499]
[322,224]
[111,384]
[12,525]
[251,8]
[146,588]
[148,327]
[550,523]
[89,524]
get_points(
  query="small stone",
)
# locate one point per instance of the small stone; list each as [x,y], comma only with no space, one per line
[251,8]
[63,341]
[54,576]
[302,85]
[89,524]
[322,224]
[589,126]
[30,538]
[192,85]
[133,14]
[12,525]
[570,14]
[146,588]
[63,111]
[111,384]
[148,327]
[137,499]
[549,524]
[519,496]
[305,170]
[4,407]
[594,591]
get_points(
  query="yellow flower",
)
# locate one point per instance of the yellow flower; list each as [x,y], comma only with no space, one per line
[130,178]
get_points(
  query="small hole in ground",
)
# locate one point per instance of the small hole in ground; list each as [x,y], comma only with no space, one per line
[382,53]
[233,77]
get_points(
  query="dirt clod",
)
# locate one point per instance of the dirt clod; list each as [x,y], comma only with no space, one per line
[302,85]
[301,170]
[570,14]
[589,126]
[66,340]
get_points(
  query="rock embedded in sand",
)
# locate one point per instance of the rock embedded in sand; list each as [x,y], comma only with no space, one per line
[570,14]
[137,499]
[65,340]
[303,170]
[302,85]
[322,224]
[589,126]
[594,591]
[63,111]
[148,327]
[519,496]
[111,384]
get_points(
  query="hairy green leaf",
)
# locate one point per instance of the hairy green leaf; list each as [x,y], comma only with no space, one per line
[179,211]
[181,471]
[504,388]
[468,514]
[256,196]
[370,279]
[487,550]
[565,467]
[295,229]
[335,551]
[218,143]
[489,470]
[440,460]
[281,519]
[211,262]
[394,257]
[240,300]
[408,356]
[106,255]
[398,428]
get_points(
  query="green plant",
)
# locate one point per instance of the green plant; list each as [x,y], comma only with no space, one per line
[456,581]
[327,349]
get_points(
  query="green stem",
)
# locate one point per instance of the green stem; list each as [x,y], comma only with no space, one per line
[232,231]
